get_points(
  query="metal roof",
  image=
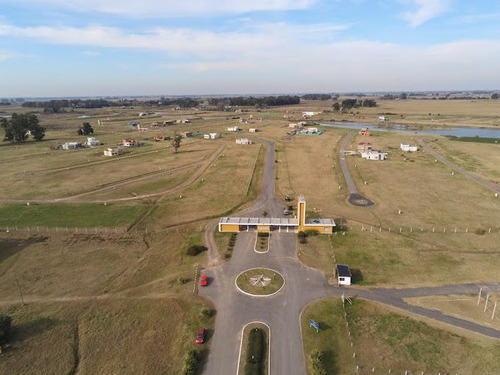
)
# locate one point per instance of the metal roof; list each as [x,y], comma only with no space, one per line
[282,221]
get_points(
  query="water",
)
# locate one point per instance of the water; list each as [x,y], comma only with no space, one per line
[400,128]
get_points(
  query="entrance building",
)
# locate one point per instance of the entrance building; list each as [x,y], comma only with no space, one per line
[266,224]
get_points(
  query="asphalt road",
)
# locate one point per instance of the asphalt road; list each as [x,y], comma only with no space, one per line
[281,312]
[478,180]
[355,198]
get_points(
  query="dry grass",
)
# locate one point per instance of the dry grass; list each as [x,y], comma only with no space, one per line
[462,306]
[401,260]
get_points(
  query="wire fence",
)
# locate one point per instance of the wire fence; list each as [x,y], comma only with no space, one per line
[487,301]
[342,229]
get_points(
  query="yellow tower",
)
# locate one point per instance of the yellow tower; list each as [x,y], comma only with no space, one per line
[301,210]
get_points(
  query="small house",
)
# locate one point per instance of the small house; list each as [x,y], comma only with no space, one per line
[233,129]
[383,118]
[183,121]
[243,141]
[206,136]
[167,122]
[364,131]
[92,142]
[129,142]
[112,152]
[253,130]
[312,130]
[364,147]
[214,135]
[343,274]
[295,126]
[186,134]
[374,155]
[71,145]
[307,115]
[143,114]
[408,148]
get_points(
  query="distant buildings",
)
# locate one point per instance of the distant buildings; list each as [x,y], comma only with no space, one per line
[383,118]
[211,136]
[233,129]
[408,148]
[365,132]
[243,141]
[71,145]
[129,142]
[92,142]
[374,155]
[112,152]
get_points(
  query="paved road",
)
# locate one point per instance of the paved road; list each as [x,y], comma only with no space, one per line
[281,312]
[487,184]
[355,198]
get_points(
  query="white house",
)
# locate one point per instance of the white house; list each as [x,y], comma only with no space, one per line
[233,129]
[295,126]
[71,145]
[243,141]
[130,142]
[112,152]
[211,136]
[253,130]
[408,148]
[374,155]
[383,118]
[311,130]
[343,274]
[91,142]
[307,114]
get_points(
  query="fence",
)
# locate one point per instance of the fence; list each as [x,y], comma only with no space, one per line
[490,302]
[341,229]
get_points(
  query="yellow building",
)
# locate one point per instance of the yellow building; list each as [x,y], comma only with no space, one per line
[265,224]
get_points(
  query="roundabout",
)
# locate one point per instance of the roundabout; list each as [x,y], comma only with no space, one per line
[260,282]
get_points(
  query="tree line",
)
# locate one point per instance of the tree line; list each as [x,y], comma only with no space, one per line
[248,101]
[20,127]
[348,104]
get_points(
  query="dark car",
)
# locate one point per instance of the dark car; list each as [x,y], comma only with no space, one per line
[200,336]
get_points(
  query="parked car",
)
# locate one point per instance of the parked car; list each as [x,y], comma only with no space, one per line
[200,336]
[287,198]
[286,212]
[204,281]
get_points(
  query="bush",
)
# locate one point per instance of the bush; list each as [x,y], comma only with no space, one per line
[311,233]
[191,362]
[195,250]
[255,352]
[263,235]
[206,313]
[318,363]
[5,326]
[480,231]
[183,280]
[227,255]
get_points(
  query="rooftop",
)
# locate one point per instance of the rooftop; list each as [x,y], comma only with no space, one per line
[343,270]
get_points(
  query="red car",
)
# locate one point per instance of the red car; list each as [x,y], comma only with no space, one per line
[204,281]
[200,336]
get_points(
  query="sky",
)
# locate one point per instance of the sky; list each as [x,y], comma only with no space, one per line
[53,48]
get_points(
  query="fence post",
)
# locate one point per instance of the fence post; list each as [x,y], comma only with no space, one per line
[494,309]
[486,303]
[479,297]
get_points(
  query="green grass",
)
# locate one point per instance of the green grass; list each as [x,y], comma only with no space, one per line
[244,283]
[386,340]
[473,139]
[69,215]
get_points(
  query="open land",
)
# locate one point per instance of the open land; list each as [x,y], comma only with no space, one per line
[126,301]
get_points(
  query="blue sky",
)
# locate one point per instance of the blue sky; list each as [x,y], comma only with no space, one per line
[150,47]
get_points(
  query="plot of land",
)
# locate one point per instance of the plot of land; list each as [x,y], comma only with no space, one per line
[385,340]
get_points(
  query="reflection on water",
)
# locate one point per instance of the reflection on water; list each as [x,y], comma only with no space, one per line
[410,129]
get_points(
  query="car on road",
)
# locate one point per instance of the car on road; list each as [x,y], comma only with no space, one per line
[286,212]
[204,281]
[200,336]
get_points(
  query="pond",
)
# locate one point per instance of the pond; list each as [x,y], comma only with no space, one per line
[401,128]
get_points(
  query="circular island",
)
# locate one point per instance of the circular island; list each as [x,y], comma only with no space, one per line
[260,282]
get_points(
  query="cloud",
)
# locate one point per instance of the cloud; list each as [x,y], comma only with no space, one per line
[91,53]
[172,8]
[427,9]
[8,55]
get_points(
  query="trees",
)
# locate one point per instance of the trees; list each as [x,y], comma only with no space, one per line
[336,107]
[19,127]
[86,129]
[494,96]
[176,142]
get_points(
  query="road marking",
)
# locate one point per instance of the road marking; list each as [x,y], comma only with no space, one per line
[259,295]
[268,347]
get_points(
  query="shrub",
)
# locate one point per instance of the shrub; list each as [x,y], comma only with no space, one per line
[311,233]
[227,255]
[191,362]
[183,280]
[5,326]
[263,235]
[256,352]
[195,250]
[480,231]
[318,363]
[206,313]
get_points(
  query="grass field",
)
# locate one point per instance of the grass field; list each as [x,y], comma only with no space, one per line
[69,215]
[386,340]
[402,259]
[462,306]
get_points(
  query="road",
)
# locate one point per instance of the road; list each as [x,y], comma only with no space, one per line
[478,180]
[281,312]
[355,198]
